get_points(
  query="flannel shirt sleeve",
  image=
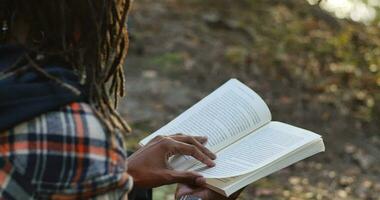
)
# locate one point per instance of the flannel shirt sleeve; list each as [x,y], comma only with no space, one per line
[63,154]
[12,183]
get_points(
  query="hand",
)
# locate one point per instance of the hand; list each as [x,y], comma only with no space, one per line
[148,166]
[202,192]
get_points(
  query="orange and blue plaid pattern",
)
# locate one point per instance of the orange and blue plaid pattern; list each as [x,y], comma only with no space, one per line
[64,154]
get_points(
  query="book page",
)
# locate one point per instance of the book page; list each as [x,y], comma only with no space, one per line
[227,114]
[227,186]
[258,149]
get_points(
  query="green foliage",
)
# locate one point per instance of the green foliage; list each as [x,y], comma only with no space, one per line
[336,61]
[312,68]
[168,62]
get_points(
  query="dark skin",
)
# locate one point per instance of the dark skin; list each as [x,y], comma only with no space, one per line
[148,166]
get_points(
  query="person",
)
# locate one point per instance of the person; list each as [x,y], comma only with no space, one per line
[61,77]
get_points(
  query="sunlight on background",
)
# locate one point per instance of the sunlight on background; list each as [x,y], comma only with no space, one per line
[356,10]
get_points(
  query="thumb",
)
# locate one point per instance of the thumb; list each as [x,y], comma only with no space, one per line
[182,190]
[187,177]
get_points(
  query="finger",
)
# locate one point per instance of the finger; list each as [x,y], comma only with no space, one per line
[157,138]
[192,150]
[177,134]
[196,141]
[187,177]
[201,139]
[183,189]
[186,189]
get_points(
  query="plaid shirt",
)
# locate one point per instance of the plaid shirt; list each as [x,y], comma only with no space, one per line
[64,154]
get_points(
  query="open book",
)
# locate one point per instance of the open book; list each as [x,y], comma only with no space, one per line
[247,143]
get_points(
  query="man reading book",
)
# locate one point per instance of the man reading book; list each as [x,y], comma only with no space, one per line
[61,74]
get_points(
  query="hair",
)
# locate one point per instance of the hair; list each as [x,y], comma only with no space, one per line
[90,35]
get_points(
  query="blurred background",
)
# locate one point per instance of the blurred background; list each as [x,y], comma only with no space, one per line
[316,64]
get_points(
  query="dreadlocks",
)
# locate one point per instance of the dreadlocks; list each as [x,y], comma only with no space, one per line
[89,35]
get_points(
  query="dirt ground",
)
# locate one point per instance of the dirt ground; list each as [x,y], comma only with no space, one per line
[181,51]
